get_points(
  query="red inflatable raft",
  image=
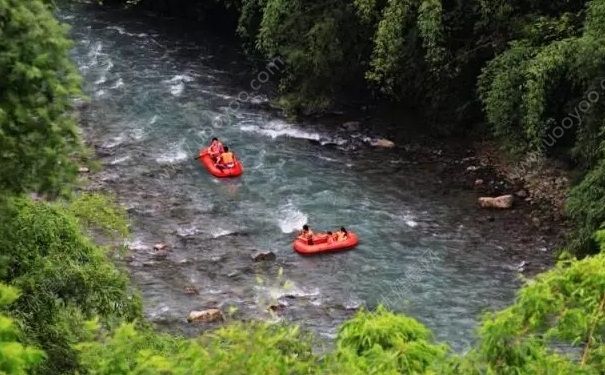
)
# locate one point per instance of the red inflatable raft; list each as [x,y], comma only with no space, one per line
[208,163]
[320,245]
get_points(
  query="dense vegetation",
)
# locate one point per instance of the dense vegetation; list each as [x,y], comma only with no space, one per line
[66,308]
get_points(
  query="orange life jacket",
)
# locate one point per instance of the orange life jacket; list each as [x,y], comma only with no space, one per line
[227,158]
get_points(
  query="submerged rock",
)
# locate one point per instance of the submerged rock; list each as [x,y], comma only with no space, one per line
[503,202]
[206,316]
[263,256]
[160,255]
[352,126]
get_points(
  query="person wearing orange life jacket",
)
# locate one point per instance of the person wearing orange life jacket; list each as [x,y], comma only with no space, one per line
[226,159]
[215,149]
[342,234]
[331,237]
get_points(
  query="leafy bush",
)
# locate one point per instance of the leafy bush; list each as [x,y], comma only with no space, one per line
[64,279]
[254,348]
[99,211]
[15,358]
[382,341]
[562,308]
[38,135]
[586,207]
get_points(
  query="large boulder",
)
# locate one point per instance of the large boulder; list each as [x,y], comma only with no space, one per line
[206,316]
[504,201]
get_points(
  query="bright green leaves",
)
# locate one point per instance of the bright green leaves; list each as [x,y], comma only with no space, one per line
[386,341]
[396,49]
[254,348]
[563,308]
[37,132]
[64,278]
[390,44]
[15,358]
[98,211]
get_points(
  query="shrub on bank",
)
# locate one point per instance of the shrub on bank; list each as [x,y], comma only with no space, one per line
[64,279]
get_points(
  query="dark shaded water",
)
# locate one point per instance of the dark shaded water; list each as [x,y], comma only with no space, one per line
[154,99]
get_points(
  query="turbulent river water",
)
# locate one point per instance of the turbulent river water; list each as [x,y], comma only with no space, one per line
[156,93]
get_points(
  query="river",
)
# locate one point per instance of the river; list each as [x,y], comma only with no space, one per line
[156,92]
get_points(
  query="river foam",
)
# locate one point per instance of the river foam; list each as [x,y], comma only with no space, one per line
[291,219]
[279,128]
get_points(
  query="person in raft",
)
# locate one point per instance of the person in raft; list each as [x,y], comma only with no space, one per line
[331,237]
[306,235]
[215,149]
[341,235]
[226,159]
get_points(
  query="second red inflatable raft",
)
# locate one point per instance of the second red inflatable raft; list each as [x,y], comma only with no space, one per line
[321,245]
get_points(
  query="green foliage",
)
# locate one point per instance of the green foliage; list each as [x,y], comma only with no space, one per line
[544,93]
[431,31]
[521,88]
[318,41]
[586,207]
[38,136]
[15,358]
[382,342]
[99,211]
[64,279]
[563,308]
[392,45]
[254,348]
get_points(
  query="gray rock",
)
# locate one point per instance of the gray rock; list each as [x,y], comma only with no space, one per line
[263,256]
